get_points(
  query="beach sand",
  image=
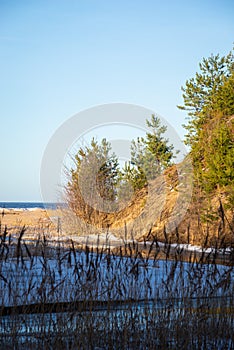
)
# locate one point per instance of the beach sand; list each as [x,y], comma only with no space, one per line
[28,218]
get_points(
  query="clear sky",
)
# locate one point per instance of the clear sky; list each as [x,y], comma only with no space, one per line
[59,57]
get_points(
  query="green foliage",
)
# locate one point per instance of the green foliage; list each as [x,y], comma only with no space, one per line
[209,100]
[219,158]
[129,182]
[95,174]
[224,99]
[202,93]
[158,145]
[149,155]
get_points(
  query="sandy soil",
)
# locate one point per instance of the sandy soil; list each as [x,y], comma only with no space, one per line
[29,218]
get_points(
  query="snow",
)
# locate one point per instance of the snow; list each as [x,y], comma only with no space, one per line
[193,248]
[82,275]
[92,240]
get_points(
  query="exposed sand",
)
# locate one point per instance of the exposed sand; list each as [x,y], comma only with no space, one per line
[46,222]
[29,218]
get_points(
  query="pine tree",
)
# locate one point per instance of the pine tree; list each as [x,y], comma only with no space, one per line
[218,159]
[209,100]
[200,93]
[93,178]
[149,155]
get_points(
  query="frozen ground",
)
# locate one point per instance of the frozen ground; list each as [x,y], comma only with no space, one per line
[132,302]
[68,275]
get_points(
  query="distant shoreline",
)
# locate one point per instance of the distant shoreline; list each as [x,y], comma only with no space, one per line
[30,205]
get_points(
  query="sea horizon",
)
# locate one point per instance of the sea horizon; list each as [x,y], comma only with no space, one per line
[27,205]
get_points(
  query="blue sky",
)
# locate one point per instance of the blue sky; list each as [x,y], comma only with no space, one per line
[59,57]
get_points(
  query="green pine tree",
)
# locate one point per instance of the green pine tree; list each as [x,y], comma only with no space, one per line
[149,155]
[201,93]
[95,171]
[209,100]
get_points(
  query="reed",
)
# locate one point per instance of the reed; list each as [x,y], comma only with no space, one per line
[138,296]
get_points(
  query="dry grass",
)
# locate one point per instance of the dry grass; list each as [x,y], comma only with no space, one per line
[55,296]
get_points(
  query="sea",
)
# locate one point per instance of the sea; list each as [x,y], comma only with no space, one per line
[28,205]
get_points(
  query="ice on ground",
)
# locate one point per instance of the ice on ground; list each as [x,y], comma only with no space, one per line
[192,248]
[97,240]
